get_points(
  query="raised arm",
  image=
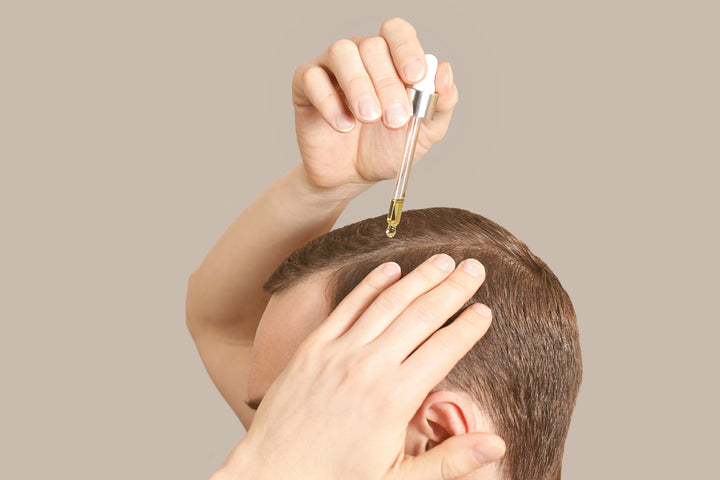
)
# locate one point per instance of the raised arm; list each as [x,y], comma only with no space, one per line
[350,103]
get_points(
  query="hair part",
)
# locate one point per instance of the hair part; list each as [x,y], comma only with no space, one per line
[525,373]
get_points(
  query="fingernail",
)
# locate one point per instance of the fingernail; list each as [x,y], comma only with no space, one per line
[413,70]
[482,309]
[444,262]
[396,115]
[368,108]
[344,122]
[473,267]
[391,269]
[489,452]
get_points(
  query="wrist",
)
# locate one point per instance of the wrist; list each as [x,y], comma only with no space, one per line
[337,194]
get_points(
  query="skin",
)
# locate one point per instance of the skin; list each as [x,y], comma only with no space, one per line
[225,301]
[289,319]
[367,367]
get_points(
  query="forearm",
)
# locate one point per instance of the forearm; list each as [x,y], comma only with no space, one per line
[225,292]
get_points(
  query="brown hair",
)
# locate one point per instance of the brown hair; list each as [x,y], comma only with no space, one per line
[525,372]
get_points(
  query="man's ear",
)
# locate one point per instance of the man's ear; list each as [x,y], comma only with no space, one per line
[443,414]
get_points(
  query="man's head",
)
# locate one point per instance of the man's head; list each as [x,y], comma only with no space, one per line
[520,380]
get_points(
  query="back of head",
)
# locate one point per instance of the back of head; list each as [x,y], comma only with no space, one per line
[525,372]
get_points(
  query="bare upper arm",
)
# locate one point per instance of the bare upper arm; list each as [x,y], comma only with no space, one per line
[227,361]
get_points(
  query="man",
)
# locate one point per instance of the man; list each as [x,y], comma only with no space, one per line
[520,381]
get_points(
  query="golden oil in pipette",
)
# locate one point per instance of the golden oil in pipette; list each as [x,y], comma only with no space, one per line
[393,217]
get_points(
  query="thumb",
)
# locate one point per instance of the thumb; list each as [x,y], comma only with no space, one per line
[456,457]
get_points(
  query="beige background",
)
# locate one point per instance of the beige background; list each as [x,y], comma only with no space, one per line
[132,133]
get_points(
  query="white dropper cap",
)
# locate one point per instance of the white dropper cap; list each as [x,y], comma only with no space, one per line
[427,84]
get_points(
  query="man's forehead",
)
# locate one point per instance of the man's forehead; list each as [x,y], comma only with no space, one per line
[311,289]
[290,316]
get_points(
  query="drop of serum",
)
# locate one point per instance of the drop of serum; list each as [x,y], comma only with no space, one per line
[390,231]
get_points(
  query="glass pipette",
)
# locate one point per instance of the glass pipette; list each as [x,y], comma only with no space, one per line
[423,99]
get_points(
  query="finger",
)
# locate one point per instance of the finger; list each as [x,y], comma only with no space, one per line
[425,315]
[389,88]
[434,359]
[447,94]
[408,56]
[432,131]
[312,86]
[357,301]
[393,300]
[454,458]
[344,62]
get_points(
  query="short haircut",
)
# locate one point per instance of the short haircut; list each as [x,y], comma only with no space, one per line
[525,372]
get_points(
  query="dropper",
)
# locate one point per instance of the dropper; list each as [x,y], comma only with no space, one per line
[423,99]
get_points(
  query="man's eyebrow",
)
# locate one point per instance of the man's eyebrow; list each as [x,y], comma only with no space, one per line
[254,403]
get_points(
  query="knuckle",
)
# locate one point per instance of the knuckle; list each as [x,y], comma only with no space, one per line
[359,82]
[309,347]
[361,367]
[395,23]
[302,69]
[387,301]
[466,327]
[479,320]
[329,365]
[425,315]
[377,281]
[326,105]
[340,48]
[303,360]
[443,342]
[402,44]
[429,273]
[385,83]
[387,26]
[373,44]
[460,285]
[310,72]
[448,469]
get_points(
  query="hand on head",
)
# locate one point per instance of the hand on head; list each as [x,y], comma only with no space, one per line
[341,407]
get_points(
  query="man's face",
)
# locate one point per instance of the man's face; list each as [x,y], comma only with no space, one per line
[289,318]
